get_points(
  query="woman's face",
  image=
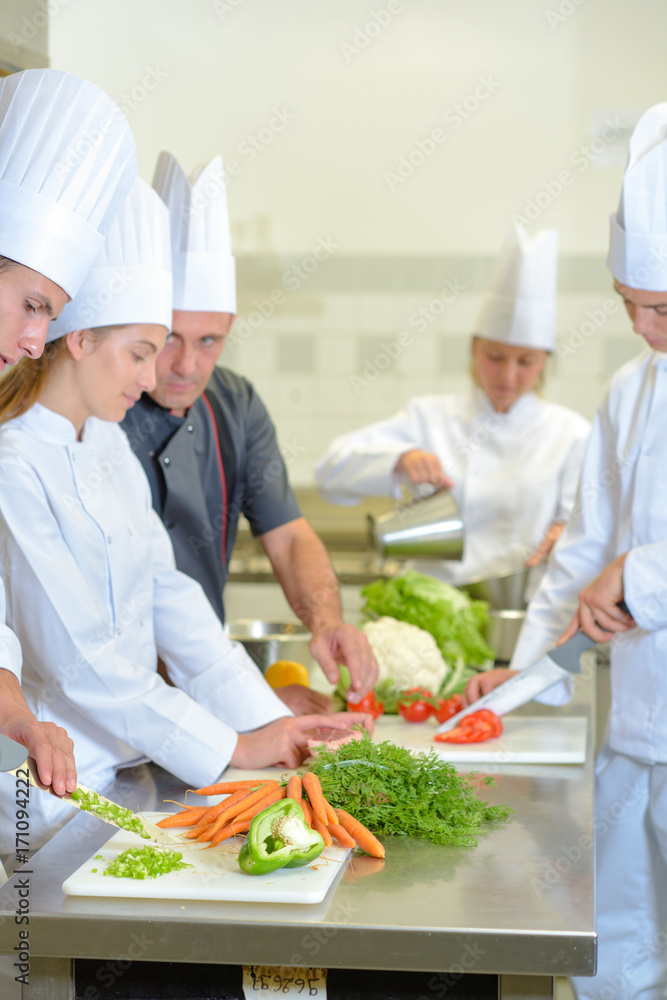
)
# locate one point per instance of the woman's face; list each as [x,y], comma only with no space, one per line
[113,369]
[28,303]
[506,372]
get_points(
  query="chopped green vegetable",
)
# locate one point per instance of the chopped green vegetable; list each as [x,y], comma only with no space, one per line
[145,862]
[393,791]
[98,857]
[453,619]
[124,818]
[93,870]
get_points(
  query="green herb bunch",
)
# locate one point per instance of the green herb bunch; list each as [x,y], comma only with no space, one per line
[395,792]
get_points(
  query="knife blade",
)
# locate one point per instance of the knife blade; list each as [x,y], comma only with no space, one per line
[104,809]
[554,666]
[12,754]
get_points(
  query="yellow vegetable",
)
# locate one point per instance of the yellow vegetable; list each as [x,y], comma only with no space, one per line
[284,672]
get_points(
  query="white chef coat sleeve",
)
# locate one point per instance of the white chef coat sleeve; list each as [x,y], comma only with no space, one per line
[361,463]
[585,548]
[645,585]
[201,659]
[571,473]
[71,643]
[10,647]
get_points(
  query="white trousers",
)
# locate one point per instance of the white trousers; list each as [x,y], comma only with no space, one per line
[631,845]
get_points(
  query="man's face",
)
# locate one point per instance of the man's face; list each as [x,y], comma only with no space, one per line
[186,363]
[648,312]
[28,302]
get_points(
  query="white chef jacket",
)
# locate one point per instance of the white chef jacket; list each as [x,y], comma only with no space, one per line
[514,473]
[92,590]
[622,506]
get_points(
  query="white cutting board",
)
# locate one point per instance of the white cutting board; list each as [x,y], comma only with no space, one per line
[525,740]
[215,875]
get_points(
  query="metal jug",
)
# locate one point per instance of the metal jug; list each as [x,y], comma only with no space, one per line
[424,527]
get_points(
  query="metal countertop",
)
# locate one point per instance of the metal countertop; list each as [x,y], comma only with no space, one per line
[521,903]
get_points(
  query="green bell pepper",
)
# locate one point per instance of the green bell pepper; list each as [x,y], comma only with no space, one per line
[279,837]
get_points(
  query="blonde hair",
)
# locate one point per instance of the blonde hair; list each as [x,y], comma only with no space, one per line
[541,378]
[23,384]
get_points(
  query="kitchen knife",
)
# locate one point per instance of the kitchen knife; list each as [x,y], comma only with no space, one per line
[554,666]
[12,754]
[102,808]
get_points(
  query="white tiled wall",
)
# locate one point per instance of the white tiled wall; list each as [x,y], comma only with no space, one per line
[305,357]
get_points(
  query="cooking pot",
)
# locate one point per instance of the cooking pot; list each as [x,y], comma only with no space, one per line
[266,642]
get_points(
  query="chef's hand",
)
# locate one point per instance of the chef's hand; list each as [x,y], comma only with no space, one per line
[423,467]
[48,745]
[598,614]
[302,701]
[334,643]
[541,553]
[283,743]
[484,682]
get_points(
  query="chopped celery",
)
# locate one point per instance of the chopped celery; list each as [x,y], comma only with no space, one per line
[145,862]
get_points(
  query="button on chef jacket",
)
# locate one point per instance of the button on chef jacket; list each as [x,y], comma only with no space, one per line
[514,473]
[203,477]
[621,506]
[92,590]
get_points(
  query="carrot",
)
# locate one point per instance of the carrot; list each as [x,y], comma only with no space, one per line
[212,812]
[226,786]
[195,832]
[312,785]
[229,831]
[295,788]
[240,807]
[366,841]
[307,812]
[275,795]
[186,818]
[323,830]
[331,813]
[341,835]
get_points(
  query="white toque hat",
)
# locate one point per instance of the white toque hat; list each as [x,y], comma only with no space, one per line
[520,305]
[203,266]
[638,241]
[130,282]
[67,163]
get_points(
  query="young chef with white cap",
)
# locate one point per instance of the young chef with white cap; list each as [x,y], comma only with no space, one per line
[510,457]
[67,161]
[615,549]
[94,594]
[209,448]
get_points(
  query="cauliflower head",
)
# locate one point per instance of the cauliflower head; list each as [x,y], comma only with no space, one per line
[406,655]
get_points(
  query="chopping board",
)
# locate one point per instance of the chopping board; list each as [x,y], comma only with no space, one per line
[525,740]
[215,875]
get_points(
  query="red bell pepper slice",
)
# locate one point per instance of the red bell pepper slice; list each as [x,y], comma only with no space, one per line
[474,728]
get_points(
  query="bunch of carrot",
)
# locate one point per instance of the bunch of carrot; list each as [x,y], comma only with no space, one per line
[245,799]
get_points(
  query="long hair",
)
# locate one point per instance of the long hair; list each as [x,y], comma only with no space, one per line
[21,387]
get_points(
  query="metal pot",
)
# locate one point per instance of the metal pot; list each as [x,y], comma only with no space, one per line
[266,642]
[502,631]
[502,593]
[425,527]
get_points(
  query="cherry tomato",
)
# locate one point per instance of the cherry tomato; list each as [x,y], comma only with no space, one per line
[415,709]
[447,707]
[368,703]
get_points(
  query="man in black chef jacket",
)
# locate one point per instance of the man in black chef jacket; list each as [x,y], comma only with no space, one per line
[209,447]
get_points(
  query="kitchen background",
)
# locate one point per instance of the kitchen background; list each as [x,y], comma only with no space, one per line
[376,152]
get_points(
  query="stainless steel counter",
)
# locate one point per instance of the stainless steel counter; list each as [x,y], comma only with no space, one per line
[521,904]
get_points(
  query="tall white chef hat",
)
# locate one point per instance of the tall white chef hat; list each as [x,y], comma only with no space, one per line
[638,244]
[203,266]
[67,162]
[520,304]
[130,282]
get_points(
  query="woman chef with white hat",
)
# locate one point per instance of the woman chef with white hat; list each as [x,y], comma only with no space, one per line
[67,162]
[94,593]
[510,457]
[614,549]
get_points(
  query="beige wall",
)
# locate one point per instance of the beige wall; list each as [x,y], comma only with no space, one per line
[537,79]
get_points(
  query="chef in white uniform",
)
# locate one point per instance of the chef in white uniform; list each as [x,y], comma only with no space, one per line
[93,592]
[67,162]
[614,549]
[510,457]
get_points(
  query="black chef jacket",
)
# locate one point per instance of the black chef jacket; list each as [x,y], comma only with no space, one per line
[206,469]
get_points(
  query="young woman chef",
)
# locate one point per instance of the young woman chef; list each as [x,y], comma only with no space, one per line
[93,592]
[510,458]
[614,549]
[67,162]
